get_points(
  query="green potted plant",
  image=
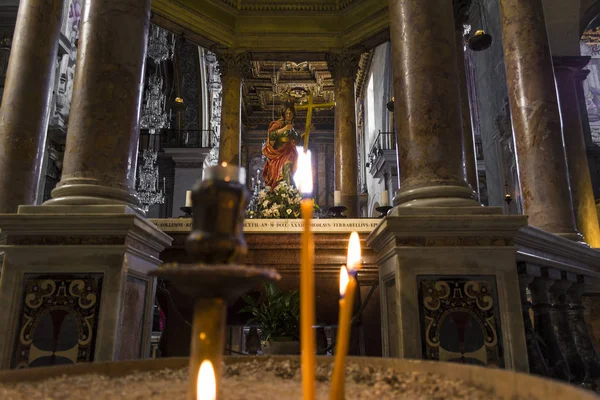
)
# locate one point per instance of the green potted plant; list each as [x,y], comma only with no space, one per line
[278,318]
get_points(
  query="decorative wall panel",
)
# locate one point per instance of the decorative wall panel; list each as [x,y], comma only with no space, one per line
[58,320]
[460,320]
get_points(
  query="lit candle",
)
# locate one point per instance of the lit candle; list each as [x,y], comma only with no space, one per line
[337,198]
[188,198]
[307,280]
[347,290]
[385,196]
[206,348]
[206,388]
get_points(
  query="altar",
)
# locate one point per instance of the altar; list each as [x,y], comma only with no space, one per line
[275,243]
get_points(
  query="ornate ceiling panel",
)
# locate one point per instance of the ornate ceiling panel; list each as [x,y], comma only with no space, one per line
[277,29]
[274,82]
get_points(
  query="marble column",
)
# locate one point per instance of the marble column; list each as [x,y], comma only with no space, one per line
[469,160]
[568,71]
[102,139]
[427,105]
[536,118]
[233,68]
[24,110]
[343,67]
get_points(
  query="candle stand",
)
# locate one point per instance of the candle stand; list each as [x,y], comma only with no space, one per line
[383,210]
[187,212]
[212,288]
[337,211]
[213,281]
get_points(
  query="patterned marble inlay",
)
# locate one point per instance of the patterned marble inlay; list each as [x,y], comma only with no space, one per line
[58,320]
[459,320]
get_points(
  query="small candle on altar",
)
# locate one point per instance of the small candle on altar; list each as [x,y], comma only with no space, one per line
[385,198]
[188,198]
[206,388]
[303,179]
[347,291]
[337,198]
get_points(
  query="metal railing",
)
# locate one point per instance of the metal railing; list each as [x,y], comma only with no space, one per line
[383,141]
[176,138]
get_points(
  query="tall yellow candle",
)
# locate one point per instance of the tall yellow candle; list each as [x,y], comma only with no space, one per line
[307,281]
[347,291]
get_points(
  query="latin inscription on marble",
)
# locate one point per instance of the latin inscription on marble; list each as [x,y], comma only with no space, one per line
[281,225]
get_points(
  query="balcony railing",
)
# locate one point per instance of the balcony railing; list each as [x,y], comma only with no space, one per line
[175,138]
[383,141]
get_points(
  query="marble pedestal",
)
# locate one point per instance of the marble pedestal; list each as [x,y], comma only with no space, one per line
[74,284]
[449,286]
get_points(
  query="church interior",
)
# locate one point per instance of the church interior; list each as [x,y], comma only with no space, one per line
[459,139]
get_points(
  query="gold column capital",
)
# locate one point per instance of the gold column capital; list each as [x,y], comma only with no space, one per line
[233,63]
[343,65]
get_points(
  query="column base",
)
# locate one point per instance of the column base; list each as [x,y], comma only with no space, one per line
[446,272]
[436,196]
[92,193]
[84,268]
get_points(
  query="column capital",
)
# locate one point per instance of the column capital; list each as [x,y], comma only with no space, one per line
[230,63]
[461,12]
[343,65]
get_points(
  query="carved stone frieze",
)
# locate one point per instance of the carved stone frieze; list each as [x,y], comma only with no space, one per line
[343,64]
[234,64]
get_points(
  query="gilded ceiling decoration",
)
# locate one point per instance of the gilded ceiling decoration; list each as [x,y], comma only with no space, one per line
[275,82]
[591,36]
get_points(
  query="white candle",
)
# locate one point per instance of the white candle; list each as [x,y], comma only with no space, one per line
[337,198]
[385,198]
[188,198]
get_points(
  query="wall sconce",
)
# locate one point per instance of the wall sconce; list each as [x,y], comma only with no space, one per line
[507,197]
[390,105]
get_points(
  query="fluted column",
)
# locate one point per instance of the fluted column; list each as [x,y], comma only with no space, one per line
[568,72]
[536,118]
[343,68]
[233,68]
[102,139]
[427,105]
[24,110]
[469,160]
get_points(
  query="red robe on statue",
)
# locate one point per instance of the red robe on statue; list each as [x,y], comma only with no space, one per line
[279,160]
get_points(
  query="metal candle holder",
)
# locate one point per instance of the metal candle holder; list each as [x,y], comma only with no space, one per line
[212,281]
[383,210]
[187,212]
[337,211]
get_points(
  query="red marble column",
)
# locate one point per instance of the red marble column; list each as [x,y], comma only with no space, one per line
[568,71]
[233,68]
[102,140]
[536,118]
[343,69]
[427,105]
[24,110]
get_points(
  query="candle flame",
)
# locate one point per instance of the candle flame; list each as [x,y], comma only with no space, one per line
[303,175]
[354,253]
[206,389]
[344,280]
[224,164]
